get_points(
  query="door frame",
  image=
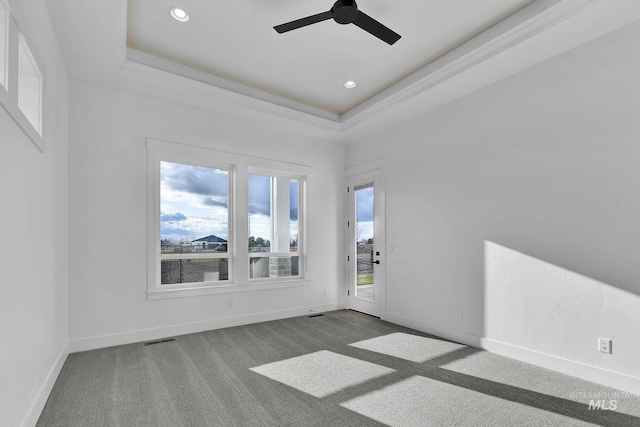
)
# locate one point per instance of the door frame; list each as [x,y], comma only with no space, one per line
[371,171]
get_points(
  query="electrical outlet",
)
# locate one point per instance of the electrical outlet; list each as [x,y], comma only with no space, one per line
[604,345]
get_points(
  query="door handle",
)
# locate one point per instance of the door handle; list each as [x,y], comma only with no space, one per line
[376,261]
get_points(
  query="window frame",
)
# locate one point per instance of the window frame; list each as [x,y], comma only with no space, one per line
[191,255]
[9,90]
[23,45]
[4,35]
[237,249]
[301,229]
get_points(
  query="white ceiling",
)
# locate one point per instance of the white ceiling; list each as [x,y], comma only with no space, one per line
[235,40]
[228,57]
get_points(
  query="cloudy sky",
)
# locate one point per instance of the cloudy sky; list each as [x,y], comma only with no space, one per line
[194,203]
[364,213]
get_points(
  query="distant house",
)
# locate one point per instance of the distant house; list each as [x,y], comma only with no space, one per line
[208,243]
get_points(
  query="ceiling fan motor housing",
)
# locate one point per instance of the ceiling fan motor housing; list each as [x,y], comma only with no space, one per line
[344,11]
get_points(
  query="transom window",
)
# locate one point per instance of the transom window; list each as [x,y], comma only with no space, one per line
[3,45]
[29,86]
[21,82]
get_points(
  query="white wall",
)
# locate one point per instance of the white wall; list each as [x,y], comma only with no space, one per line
[517,207]
[108,206]
[33,253]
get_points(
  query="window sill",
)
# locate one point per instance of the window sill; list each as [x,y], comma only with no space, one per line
[225,289]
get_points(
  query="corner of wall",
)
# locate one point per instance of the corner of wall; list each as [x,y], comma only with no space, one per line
[31,419]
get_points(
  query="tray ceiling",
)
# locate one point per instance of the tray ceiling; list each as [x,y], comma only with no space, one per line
[235,42]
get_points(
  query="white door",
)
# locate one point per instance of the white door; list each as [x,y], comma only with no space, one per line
[366,257]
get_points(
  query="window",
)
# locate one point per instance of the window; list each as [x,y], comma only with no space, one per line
[222,222]
[29,85]
[3,45]
[194,224]
[273,226]
[21,83]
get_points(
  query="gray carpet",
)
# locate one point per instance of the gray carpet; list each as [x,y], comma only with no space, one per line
[340,369]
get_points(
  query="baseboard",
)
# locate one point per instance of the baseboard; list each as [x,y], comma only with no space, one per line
[429,328]
[31,419]
[583,371]
[92,343]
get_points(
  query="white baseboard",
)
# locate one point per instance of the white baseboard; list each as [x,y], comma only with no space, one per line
[429,328]
[92,343]
[583,371]
[31,419]
[591,373]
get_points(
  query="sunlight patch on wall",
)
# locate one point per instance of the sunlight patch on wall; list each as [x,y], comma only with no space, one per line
[536,305]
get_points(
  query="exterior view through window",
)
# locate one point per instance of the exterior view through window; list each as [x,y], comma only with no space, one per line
[364,241]
[194,224]
[222,222]
[273,226]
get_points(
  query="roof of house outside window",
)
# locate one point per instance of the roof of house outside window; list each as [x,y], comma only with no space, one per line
[211,239]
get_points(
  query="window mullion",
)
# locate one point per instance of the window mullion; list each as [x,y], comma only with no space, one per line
[241,224]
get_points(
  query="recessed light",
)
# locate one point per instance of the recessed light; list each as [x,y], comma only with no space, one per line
[350,84]
[179,14]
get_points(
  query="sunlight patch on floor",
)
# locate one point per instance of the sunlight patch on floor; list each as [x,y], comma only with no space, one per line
[496,368]
[420,401]
[409,347]
[322,373]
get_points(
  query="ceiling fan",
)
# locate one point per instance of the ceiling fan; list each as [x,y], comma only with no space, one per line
[344,12]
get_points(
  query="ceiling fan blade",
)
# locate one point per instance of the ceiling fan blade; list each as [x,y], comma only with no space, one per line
[372,26]
[299,23]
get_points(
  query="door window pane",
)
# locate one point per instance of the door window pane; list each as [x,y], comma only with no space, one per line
[364,241]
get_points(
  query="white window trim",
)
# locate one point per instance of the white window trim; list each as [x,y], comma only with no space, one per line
[3,47]
[22,42]
[239,166]
[161,157]
[9,91]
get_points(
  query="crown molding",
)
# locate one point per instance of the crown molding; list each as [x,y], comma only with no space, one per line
[137,63]
[489,49]
[518,28]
